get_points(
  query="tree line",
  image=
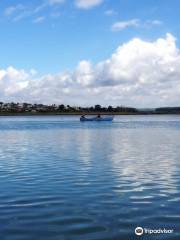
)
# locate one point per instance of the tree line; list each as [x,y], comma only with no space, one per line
[28,107]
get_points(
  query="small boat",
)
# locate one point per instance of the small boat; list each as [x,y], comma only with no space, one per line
[98,118]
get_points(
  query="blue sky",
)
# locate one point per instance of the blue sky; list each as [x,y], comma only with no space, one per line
[51,50]
[67,34]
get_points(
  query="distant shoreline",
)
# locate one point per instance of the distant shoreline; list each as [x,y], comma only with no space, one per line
[80,113]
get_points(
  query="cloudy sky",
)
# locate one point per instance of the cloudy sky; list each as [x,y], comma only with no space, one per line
[86,52]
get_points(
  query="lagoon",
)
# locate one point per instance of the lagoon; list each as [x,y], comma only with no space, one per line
[64,179]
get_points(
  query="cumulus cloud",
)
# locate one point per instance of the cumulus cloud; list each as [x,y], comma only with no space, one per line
[12,81]
[139,73]
[86,4]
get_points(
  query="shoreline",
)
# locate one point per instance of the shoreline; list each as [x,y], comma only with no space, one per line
[80,113]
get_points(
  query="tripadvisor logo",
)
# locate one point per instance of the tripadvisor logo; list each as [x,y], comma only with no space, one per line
[139,231]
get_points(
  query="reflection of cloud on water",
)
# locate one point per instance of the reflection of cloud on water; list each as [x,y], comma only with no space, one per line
[10,158]
[137,159]
[84,148]
[146,158]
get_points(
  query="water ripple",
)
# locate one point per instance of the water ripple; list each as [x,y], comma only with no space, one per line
[61,179]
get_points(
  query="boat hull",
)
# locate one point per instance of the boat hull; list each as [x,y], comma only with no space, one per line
[96,119]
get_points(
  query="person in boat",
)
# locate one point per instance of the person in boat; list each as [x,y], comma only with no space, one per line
[98,116]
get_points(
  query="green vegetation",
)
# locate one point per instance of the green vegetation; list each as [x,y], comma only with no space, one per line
[36,109]
[41,109]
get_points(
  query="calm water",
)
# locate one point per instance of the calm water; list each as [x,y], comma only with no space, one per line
[63,179]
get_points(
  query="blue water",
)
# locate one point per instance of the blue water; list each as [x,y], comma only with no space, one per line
[64,179]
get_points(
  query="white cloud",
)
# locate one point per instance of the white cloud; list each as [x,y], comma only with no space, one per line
[13,9]
[47,4]
[13,81]
[155,22]
[134,23]
[22,15]
[151,23]
[86,4]
[139,73]
[118,26]
[39,19]
[55,14]
[19,12]
[84,73]
[110,12]
[56,2]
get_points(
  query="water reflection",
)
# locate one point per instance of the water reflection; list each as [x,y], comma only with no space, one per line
[92,181]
